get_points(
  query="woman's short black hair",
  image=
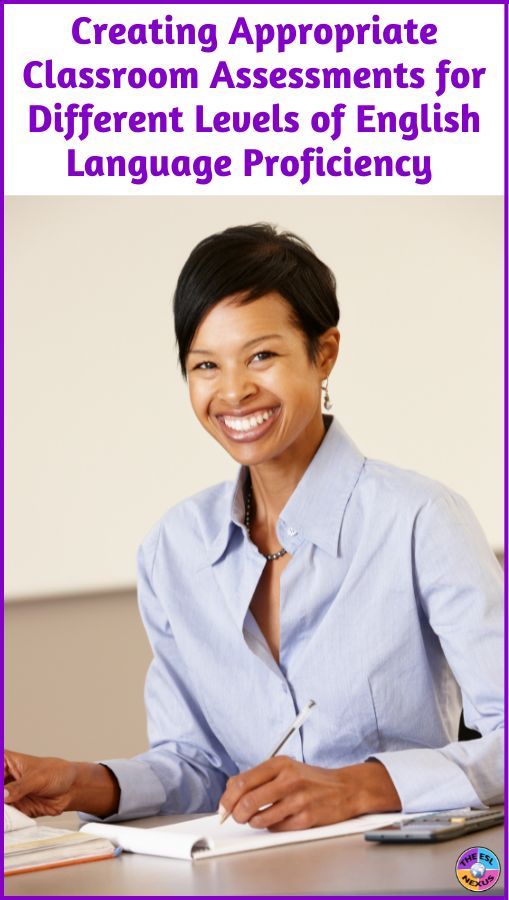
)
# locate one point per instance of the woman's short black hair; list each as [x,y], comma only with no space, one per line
[254,260]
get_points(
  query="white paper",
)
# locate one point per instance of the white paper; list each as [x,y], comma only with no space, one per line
[204,837]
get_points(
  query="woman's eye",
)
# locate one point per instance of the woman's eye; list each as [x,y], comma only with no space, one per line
[205,365]
[262,355]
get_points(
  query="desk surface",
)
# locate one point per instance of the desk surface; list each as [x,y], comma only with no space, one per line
[345,865]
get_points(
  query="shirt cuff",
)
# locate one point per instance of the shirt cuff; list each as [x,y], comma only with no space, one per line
[426,780]
[141,792]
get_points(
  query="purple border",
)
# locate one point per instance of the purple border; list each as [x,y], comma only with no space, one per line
[505,3]
[506,399]
[2,258]
[279,2]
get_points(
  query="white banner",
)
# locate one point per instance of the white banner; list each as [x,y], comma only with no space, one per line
[275,99]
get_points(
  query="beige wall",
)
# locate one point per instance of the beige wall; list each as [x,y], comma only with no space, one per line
[75,669]
[100,438]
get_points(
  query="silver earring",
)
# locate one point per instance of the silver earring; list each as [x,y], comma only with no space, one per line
[327,402]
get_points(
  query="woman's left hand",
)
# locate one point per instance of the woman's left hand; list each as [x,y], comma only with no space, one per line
[300,796]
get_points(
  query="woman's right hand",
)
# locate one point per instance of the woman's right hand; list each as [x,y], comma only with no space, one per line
[48,786]
[38,785]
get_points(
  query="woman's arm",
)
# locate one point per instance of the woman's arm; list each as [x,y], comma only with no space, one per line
[459,585]
[186,768]
[48,786]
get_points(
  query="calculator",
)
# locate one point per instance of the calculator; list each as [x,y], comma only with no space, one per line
[438,826]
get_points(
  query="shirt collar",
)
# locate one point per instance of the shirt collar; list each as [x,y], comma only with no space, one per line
[316,508]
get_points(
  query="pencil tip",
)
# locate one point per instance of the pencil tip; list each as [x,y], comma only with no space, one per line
[222,813]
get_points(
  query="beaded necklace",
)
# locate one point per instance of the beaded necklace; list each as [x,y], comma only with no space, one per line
[270,557]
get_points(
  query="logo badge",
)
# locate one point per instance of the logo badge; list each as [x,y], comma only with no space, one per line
[478,869]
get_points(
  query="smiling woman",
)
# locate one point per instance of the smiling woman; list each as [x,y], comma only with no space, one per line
[264,391]
[319,573]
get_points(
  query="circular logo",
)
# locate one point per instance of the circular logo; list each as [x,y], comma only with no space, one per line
[478,869]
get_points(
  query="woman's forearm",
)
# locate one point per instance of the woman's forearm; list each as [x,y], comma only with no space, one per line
[48,785]
[95,790]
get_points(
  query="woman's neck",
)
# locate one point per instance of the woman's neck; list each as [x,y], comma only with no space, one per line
[274,482]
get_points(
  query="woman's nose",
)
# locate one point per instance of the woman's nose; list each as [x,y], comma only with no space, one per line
[235,386]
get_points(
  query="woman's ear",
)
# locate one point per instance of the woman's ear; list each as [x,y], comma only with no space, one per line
[328,350]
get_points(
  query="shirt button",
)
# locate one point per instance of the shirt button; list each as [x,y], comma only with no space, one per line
[292,532]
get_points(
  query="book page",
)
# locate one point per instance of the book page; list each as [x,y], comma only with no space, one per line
[27,859]
[40,837]
[14,819]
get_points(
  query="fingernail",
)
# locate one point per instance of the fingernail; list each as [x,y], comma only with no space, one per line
[221,811]
[6,794]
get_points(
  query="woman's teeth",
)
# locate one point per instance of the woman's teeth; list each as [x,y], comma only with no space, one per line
[246,423]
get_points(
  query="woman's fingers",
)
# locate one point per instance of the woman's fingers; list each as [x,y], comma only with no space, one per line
[253,801]
[12,765]
[16,790]
[13,773]
[239,786]
[36,785]
[278,790]
[290,809]
[297,822]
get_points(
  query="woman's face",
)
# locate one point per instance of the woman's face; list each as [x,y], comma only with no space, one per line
[252,384]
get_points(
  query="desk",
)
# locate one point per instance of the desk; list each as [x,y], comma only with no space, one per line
[345,865]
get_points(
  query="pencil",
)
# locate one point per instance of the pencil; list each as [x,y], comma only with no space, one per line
[301,718]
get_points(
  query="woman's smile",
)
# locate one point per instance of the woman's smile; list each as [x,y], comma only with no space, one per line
[248,426]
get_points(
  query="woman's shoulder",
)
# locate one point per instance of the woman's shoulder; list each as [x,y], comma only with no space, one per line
[193,523]
[389,477]
[395,486]
[375,482]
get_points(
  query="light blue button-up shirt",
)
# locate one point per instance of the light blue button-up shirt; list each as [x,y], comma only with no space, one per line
[391,620]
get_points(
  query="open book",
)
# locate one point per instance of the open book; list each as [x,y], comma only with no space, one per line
[28,846]
[204,837]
